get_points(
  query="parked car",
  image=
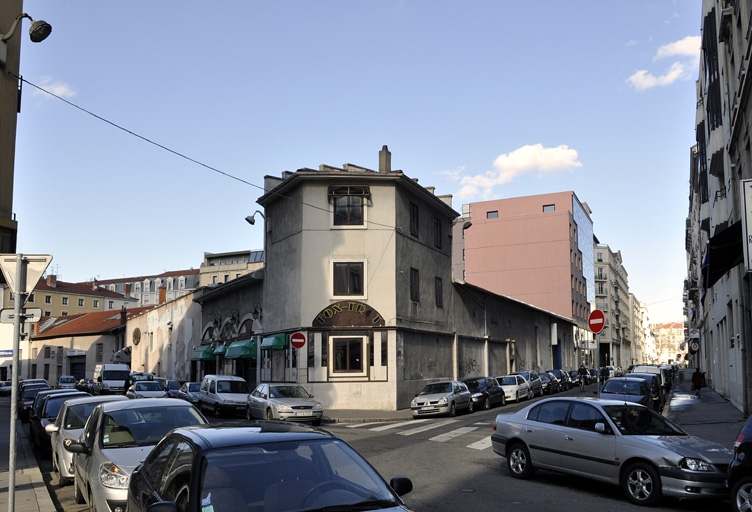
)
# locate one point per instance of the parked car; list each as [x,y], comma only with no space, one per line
[288,402]
[654,382]
[534,380]
[565,381]
[549,383]
[171,387]
[486,392]
[574,376]
[85,385]
[70,423]
[140,376]
[442,398]
[45,414]
[26,401]
[6,386]
[116,438]
[611,441]
[224,394]
[66,382]
[740,470]
[189,391]
[277,466]
[515,387]
[628,389]
[146,389]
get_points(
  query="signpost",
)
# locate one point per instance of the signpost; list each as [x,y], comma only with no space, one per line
[596,321]
[297,339]
[22,274]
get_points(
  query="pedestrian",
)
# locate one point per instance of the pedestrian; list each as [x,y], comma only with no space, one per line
[698,382]
[583,375]
[605,374]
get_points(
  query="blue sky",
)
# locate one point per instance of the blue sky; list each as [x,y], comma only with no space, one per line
[480,99]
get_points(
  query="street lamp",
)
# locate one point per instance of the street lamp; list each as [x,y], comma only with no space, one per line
[251,219]
[38,32]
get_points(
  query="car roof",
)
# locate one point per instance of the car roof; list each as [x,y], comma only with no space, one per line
[602,401]
[99,399]
[625,379]
[223,435]
[142,403]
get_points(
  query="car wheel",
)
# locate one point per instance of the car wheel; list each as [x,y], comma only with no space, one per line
[269,415]
[62,481]
[77,494]
[217,411]
[92,507]
[487,403]
[641,484]
[518,461]
[452,410]
[248,414]
[741,494]
[470,407]
[503,401]
[530,394]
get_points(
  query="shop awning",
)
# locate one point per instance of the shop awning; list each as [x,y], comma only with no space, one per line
[203,353]
[220,349]
[242,349]
[275,342]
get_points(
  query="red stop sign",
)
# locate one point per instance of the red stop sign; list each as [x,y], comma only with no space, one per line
[596,321]
[297,340]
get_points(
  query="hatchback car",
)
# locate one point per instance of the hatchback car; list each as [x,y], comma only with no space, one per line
[533,379]
[189,391]
[740,470]
[654,383]
[628,389]
[66,382]
[171,387]
[442,398]
[486,392]
[565,381]
[550,384]
[116,438]
[146,389]
[515,387]
[615,442]
[70,423]
[26,400]
[273,465]
[287,402]
[45,414]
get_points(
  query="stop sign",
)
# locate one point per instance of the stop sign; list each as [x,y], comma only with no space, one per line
[596,321]
[297,340]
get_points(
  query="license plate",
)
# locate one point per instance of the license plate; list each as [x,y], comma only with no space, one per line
[306,413]
[426,408]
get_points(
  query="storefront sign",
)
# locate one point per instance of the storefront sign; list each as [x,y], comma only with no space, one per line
[348,314]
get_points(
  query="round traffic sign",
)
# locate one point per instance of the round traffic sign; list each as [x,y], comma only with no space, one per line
[297,339]
[596,321]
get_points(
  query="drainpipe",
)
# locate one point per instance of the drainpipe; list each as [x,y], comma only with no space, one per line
[454,357]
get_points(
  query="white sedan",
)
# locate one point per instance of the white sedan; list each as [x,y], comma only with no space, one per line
[515,387]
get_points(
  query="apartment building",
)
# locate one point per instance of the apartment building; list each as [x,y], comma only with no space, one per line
[612,297]
[221,268]
[153,289]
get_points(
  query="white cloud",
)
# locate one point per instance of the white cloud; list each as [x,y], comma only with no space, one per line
[531,158]
[57,88]
[687,50]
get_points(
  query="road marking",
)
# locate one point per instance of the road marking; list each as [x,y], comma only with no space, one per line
[481,445]
[451,435]
[358,425]
[395,425]
[426,427]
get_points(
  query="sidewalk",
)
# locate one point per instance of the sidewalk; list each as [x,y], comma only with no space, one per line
[711,417]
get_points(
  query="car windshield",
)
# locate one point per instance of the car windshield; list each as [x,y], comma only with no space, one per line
[441,387]
[292,476]
[67,380]
[473,384]
[173,384]
[31,393]
[641,421]
[288,392]
[622,387]
[54,404]
[232,386]
[115,374]
[508,381]
[148,385]
[194,386]
[145,425]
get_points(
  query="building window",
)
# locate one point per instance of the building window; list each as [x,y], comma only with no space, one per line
[46,352]
[599,256]
[227,278]
[384,348]
[31,298]
[80,303]
[99,352]
[64,313]
[492,215]
[46,375]
[47,313]
[95,303]
[169,285]
[137,287]
[439,291]
[414,285]
[347,204]
[48,299]
[215,279]
[414,219]
[147,287]
[181,283]
[437,233]
[65,301]
[111,305]
[348,355]
[549,208]
[348,278]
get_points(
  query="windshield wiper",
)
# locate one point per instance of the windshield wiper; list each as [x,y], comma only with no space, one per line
[357,507]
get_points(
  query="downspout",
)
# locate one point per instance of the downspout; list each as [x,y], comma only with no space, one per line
[454,357]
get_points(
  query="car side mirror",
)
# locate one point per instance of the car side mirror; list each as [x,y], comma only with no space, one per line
[51,428]
[401,485]
[76,446]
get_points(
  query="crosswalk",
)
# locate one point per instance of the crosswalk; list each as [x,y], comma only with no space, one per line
[480,432]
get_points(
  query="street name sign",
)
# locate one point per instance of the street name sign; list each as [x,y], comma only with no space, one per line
[29,316]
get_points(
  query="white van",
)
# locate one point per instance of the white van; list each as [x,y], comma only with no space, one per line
[109,379]
[224,394]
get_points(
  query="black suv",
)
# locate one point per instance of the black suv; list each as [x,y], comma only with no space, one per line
[740,470]
[486,392]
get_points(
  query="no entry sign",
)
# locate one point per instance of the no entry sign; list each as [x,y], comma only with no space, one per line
[596,321]
[297,340]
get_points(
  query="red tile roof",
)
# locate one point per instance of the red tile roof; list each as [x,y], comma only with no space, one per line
[100,322]
[77,289]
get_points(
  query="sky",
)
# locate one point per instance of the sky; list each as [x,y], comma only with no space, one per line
[146,128]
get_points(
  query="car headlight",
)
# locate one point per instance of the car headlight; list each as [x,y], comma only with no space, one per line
[477,395]
[413,404]
[111,475]
[443,400]
[318,407]
[695,464]
[284,408]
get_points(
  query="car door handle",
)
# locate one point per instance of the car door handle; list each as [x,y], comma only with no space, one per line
[568,437]
[528,429]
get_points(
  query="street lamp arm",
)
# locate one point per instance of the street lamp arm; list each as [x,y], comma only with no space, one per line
[251,219]
[38,31]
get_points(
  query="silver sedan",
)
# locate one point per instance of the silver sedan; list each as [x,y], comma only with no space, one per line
[515,387]
[288,402]
[615,442]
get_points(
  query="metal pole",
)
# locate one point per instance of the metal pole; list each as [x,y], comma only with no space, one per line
[20,299]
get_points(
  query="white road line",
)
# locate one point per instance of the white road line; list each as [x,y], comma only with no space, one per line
[451,435]
[426,427]
[395,425]
[358,425]
[481,445]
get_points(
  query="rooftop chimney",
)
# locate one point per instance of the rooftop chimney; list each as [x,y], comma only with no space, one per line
[385,160]
[52,281]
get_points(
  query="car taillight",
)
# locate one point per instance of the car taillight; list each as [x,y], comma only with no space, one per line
[739,441]
[494,427]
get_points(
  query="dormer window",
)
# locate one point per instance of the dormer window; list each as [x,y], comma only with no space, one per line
[347,204]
